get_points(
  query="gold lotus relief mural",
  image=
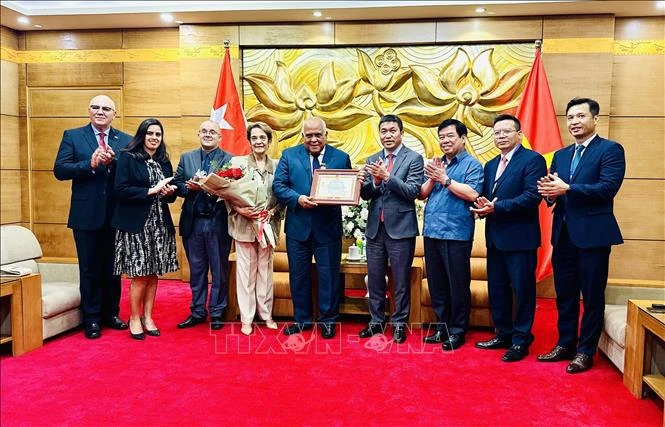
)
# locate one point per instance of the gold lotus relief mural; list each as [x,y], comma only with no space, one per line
[351,88]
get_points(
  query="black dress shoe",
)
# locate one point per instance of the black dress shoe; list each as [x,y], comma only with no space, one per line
[216,323]
[327,331]
[453,342]
[399,334]
[582,362]
[557,354]
[371,330]
[93,331]
[515,353]
[296,328]
[191,321]
[493,344]
[116,323]
[436,338]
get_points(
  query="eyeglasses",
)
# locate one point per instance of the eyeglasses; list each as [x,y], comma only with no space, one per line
[104,109]
[211,132]
[503,132]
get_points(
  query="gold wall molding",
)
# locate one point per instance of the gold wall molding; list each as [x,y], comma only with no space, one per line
[573,45]
[115,55]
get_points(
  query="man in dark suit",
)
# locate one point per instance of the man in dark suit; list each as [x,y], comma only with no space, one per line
[204,229]
[311,228]
[512,232]
[87,156]
[396,174]
[583,181]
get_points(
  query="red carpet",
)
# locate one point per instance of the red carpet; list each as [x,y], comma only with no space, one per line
[190,377]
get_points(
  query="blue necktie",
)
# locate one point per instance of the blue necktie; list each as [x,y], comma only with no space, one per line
[201,202]
[206,163]
[315,162]
[576,159]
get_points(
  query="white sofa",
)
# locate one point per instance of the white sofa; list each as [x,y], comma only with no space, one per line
[61,297]
[613,338]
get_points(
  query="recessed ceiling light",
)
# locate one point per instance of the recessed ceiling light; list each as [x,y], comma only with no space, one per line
[328,17]
[480,10]
[179,22]
[660,4]
[166,17]
[37,26]
[317,13]
[23,20]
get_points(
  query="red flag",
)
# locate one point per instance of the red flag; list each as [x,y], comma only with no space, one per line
[227,112]
[540,129]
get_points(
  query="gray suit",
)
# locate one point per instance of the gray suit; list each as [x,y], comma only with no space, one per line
[205,236]
[394,238]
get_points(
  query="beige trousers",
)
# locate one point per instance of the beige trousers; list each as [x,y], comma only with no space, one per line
[254,280]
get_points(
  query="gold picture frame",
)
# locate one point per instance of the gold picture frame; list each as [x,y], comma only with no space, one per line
[335,187]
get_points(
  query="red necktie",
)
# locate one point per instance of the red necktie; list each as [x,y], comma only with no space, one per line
[390,169]
[102,143]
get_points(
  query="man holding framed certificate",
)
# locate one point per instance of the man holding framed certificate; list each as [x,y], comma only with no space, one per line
[311,228]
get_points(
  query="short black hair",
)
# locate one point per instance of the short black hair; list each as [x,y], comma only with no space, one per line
[594,107]
[460,127]
[502,117]
[392,118]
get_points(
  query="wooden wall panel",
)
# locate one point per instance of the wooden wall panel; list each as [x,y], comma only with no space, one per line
[22,83]
[489,29]
[70,102]
[642,28]
[8,38]
[635,196]
[79,39]
[638,85]
[25,198]
[23,142]
[589,26]
[46,134]
[152,89]
[569,77]
[9,143]
[310,34]
[56,240]
[643,139]
[75,74]
[385,33]
[208,35]
[10,196]
[638,259]
[51,198]
[152,38]
[9,88]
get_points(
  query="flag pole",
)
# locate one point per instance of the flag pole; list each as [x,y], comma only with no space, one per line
[227,44]
[539,45]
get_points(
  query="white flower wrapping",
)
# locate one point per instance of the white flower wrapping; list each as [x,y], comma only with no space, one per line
[243,192]
[354,220]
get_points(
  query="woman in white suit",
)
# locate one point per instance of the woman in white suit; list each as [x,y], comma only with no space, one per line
[254,272]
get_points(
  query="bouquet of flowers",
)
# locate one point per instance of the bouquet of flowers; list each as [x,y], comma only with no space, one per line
[354,220]
[237,187]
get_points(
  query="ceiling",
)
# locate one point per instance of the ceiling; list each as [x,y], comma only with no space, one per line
[72,15]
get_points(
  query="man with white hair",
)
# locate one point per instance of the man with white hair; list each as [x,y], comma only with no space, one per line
[87,157]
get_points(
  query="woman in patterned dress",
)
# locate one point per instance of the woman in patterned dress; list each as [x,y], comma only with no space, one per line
[145,236]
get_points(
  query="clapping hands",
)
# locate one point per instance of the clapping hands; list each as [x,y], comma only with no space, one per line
[101,156]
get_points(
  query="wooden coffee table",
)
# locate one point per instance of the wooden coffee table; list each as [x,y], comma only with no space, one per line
[642,328]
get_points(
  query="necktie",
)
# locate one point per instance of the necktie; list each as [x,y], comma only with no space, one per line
[576,159]
[102,143]
[315,162]
[390,169]
[502,167]
[206,163]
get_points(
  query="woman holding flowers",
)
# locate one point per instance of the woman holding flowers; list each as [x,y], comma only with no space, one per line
[255,230]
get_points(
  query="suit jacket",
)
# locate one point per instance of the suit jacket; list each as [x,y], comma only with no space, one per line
[396,196]
[293,178]
[92,199]
[190,162]
[588,205]
[514,225]
[132,200]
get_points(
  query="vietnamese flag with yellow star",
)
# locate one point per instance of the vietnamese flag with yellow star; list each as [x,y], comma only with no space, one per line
[228,113]
[541,132]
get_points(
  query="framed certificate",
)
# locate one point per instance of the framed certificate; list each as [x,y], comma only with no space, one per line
[335,187]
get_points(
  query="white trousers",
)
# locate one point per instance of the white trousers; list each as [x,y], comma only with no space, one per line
[254,280]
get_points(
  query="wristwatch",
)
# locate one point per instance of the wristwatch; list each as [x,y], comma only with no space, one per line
[447,182]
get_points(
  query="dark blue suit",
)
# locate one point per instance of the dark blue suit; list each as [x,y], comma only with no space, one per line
[316,231]
[92,204]
[583,231]
[512,234]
